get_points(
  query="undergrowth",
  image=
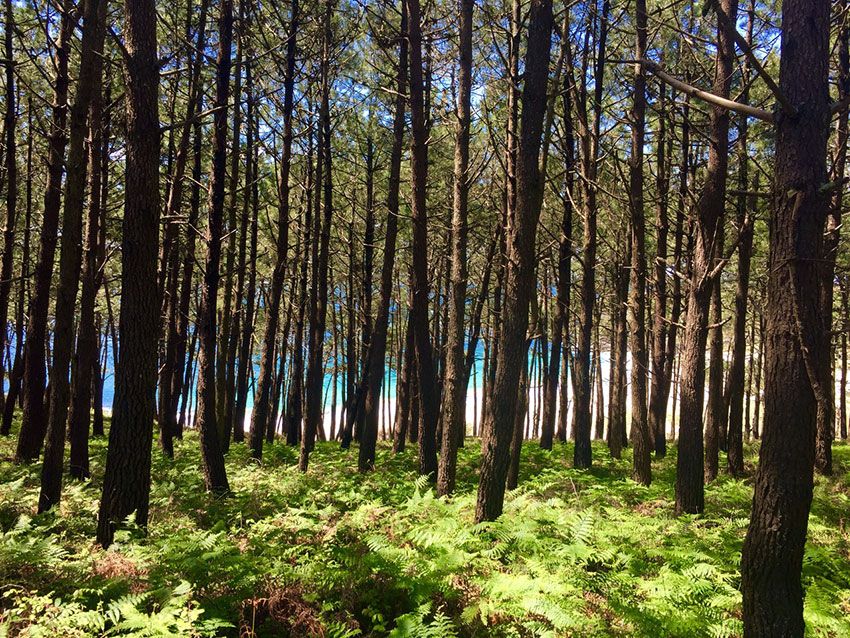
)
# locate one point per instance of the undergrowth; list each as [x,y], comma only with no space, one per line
[339,554]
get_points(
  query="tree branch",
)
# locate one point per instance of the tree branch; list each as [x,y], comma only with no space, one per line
[705,96]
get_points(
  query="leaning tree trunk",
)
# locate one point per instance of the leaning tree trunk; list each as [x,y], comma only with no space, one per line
[126,482]
[34,421]
[772,556]
[71,253]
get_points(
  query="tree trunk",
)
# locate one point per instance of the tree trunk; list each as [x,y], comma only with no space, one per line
[657,407]
[373,374]
[126,482]
[313,420]
[71,253]
[87,350]
[772,556]
[455,379]
[690,492]
[641,433]
[34,419]
[519,274]
[582,453]
[225,354]
[295,398]
[215,475]
[426,370]
[259,416]
[564,269]
[735,383]
[11,166]
[714,413]
[245,360]
[826,409]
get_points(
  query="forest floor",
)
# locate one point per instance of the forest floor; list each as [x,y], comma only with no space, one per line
[337,553]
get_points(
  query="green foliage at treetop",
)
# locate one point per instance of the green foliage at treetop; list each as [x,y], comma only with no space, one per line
[336,553]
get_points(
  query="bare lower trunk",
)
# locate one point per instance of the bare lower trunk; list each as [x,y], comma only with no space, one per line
[772,557]
[126,482]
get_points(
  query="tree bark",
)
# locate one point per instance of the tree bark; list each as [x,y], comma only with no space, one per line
[690,492]
[71,253]
[215,474]
[259,416]
[454,395]
[126,482]
[373,374]
[772,556]
[426,369]
[519,275]
[34,419]
[641,433]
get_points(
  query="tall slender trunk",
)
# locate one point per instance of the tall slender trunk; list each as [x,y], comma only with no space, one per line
[15,378]
[373,373]
[11,166]
[519,275]
[641,433]
[582,454]
[215,474]
[670,356]
[313,418]
[715,416]
[87,351]
[405,391]
[71,252]
[126,482]
[564,267]
[171,375]
[34,420]
[251,209]
[826,408]
[617,436]
[225,369]
[690,492]
[657,408]
[295,398]
[455,380]
[259,416]
[426,369]
[744,205]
